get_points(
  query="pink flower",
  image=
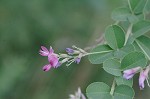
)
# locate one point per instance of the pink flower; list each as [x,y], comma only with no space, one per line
[52,58]
[128,74]
[143,77]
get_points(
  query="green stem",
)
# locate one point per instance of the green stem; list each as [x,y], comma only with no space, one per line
[96,52]
[128,33]
[130,6]
[113,87]
[117,22]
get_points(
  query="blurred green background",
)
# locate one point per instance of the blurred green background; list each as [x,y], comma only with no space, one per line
[25,25]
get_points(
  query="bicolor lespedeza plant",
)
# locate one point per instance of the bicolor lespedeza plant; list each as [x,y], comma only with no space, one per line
[125,53]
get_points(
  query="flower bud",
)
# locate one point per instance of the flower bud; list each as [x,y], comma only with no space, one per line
[63,55]
[47,67]
[69,51]
[77,60]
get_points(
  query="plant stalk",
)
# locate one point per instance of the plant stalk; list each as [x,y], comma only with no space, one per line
[113,87]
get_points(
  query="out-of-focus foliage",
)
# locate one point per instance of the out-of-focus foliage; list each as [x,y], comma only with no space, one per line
[25,25]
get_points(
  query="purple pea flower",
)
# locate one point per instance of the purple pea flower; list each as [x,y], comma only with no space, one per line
[52,58]
[77,60]
[143,76]
[128,74]
[69,50]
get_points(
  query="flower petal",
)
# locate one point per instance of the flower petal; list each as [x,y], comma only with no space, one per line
[44,48]
[82,96]
[143,76]
[133,70]
[51,51]
[58,64]
[141,80]
[53,60]
[69,51]
[44,51]
[77,60]
[47,67]
[127,76]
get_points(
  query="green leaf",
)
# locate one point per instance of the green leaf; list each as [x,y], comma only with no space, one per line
[124,51]
[133,59]
[144,44]
[115,36]
[137,48]
[123,92]
[98,90]
[137,6]
[104,52]
[121,14]
[147,7]
[124,14]
[112,66]
[121,81]
[135,18]
[140,28]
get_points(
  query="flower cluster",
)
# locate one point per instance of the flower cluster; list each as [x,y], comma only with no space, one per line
[78,95]
[128,74]
[74,54]
[52,58]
